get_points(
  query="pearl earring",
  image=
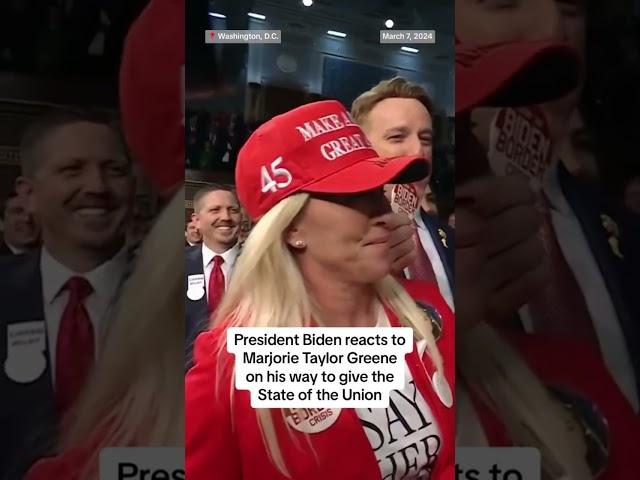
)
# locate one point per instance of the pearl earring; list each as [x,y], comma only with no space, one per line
[299,244]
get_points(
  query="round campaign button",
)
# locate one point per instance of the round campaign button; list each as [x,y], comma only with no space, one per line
[195,287]
[404,199]
[520,144]
[25,366]
[195,293]
[434,317]
[311,420]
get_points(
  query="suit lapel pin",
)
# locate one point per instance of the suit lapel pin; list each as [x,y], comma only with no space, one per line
[443,237]
[614,234]
[26,342]
[195,287]
[434,317]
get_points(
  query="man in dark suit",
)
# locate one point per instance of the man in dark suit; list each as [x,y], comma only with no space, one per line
[192,235]
[57,300]
[591,244]
[396,117]
[209,266]
[20,231]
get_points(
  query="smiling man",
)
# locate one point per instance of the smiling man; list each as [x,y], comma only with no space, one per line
[217,217]
[77,182]
[396,116]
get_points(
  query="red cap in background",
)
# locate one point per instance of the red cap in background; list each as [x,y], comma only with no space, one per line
[152,92]
[513,74]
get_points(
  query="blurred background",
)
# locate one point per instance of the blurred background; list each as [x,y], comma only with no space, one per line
[62,53]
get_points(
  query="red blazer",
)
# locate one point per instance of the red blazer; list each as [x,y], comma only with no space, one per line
[223,440]
[577,367]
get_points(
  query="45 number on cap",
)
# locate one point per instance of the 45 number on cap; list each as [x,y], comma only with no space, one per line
[270,181]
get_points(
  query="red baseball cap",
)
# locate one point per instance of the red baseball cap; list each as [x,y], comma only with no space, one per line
[314,148]
[151,92]
[513,74]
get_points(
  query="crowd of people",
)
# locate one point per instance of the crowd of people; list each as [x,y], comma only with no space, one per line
[213,141]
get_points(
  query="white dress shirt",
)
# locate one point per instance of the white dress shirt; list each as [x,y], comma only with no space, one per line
[577,252]
[14,250]
[105,280]
[436,262]
[229,258]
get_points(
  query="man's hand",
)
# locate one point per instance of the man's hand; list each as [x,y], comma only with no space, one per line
[402,249]
[500,261]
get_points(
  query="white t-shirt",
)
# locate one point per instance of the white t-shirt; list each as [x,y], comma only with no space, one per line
[405,437]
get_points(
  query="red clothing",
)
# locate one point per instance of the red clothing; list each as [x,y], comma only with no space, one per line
[68,465]
[577,367]
[224,442]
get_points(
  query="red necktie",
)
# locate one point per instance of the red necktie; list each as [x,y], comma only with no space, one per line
[216,283]
[421,268]
[560,308]
[75,345]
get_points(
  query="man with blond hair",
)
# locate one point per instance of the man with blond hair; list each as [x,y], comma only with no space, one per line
[396,116]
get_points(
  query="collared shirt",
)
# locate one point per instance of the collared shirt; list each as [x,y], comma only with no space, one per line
[229,258]
[104,279]
[436,262]
[14,250]
[577,252]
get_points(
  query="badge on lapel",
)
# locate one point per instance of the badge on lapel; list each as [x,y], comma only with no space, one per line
[614,234]
[434,317]
[443,237]
[586,417]
[311,420]
[195,287]
[26,344]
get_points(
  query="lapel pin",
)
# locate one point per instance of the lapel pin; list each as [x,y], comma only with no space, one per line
[443,237]
[311,420]
[434,317]
[614,234]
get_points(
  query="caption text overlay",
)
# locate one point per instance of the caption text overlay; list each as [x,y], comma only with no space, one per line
[493,463]
[142,463]
[328,367]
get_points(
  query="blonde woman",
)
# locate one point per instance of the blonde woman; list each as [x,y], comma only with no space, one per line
[319,255]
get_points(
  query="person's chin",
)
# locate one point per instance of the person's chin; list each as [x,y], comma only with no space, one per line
[377,270]
[227,238]
[99,239]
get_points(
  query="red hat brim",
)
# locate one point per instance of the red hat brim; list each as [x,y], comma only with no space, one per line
[514,74]
[371,174]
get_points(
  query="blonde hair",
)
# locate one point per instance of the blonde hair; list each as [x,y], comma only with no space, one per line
[136,393]
[533,418]
[268,290]
[396,87]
